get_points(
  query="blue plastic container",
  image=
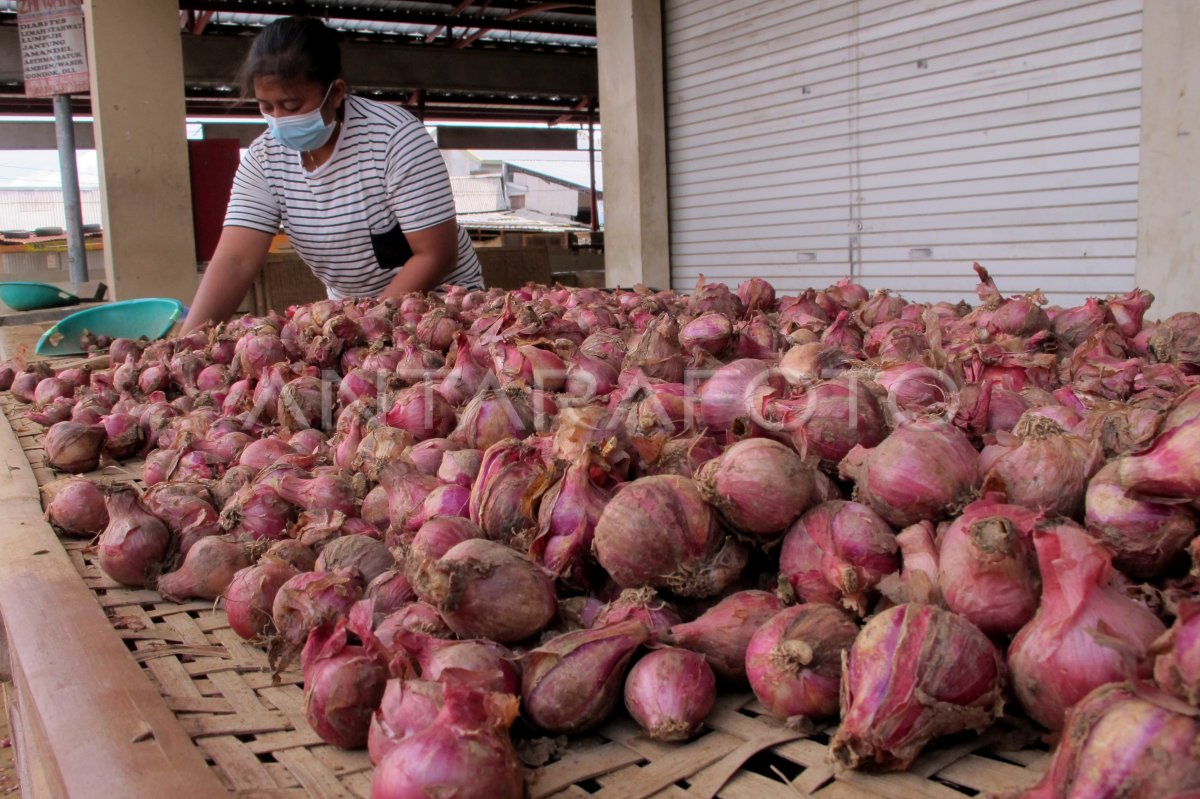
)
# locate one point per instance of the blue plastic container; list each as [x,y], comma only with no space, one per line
[23,295]
[152,318]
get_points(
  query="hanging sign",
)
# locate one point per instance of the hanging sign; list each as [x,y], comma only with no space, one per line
[53,49]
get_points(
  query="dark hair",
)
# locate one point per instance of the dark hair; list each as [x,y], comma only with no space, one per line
[293,48]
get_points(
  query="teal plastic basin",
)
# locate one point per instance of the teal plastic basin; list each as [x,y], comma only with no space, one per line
[152,318]
[30,296]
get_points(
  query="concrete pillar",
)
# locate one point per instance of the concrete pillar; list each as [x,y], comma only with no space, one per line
[633,117]
[1168,242]
[136,63]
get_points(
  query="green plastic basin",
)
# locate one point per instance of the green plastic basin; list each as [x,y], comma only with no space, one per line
[152,318]
[30,296]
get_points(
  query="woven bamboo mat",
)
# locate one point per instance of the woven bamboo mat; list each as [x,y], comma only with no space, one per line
[252,729]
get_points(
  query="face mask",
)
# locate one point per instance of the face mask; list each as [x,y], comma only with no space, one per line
[302,131]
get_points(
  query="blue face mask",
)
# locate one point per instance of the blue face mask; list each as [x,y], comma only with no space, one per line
[302,132]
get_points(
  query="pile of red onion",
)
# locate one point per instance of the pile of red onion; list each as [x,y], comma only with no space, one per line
[455,509]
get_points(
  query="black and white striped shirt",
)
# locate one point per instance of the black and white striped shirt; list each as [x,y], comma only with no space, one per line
[342,217]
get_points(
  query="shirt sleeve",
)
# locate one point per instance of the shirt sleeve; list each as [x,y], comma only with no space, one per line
[252,204]
[417,182]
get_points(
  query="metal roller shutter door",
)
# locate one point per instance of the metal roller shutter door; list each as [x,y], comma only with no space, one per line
[900,141]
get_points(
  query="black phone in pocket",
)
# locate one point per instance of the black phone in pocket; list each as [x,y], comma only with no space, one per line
[391,247]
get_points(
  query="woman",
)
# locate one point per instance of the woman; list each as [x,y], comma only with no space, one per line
[358,186]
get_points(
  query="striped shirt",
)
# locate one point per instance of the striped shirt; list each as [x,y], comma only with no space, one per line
[347,217]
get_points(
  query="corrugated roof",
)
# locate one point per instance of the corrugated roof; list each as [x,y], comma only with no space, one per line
[567,166]
[519,221]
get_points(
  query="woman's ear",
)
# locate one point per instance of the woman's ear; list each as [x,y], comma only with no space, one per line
[340,92]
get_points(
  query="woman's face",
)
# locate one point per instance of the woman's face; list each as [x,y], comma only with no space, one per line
[285,98]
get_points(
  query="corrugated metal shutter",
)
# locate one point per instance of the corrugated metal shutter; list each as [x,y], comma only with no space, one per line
[900,141]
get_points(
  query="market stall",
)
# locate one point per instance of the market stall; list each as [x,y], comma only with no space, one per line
[169,697]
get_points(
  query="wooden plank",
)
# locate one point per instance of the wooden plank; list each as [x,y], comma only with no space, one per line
[318,781]
[105,726]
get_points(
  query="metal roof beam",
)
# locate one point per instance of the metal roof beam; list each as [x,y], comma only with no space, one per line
[585,26]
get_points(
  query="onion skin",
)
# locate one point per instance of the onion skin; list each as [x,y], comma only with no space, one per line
[1145,537]
[486,590]
[723,632]
[831,418]
[794,662]
[1049,469]
[134,543]
[837,553]
[571,683]
[251,593]
[641,604]
[922,470]
[306,601]
[759,486]
[368,556]
[407,707]
[1168,469]
[77,509]
[1056,659]
[343,684]
[670,692]
[914,673]
[1177,665]
[465,753]
[658,531]
[1124,742]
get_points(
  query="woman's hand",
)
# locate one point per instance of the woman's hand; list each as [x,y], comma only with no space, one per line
[435,252]
[239,257]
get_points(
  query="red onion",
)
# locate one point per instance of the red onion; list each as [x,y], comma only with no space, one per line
[914,673]
[670,693]
[154,377]
[723,632]
[407,707]
[437,330]
[77,508]
[460,467]
[438,535]
[641,604]
[680,456]
[390,590]
[735,393]
[427,456]
[343,684]
[658,354]
[72,447]
[1074,326]
[186,510]
[304,402]
[923,470]
[1177,665]
[794,662]
[711,332]
[509,471]
[658,531]
[132,546]
[913,388]
[756,294]
[412,617]
[1124,741]
[486,590]
[1048,469]
[445,500]
[305,602]
[206,571]
[757,337]
[465,753]
[422,411]
[1167,470]
[379,447]
[406,490]
[251,594]
[323,491]
[52,388]
[122,348]
[368,556]
[571,682]
[468,374]
[1057,659]
[1145,537]
[566,523]
[588,377]
[257,512]
[60,410]
[843,336]
[837,553]
[987,567]
[255,352]
[1128,309]
[123,436]
[759,486]
[495,415]
[214,377]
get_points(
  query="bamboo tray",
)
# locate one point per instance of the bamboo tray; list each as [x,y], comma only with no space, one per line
[222,726]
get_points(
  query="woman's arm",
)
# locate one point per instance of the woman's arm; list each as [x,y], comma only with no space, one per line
[435,252]
[239,257]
